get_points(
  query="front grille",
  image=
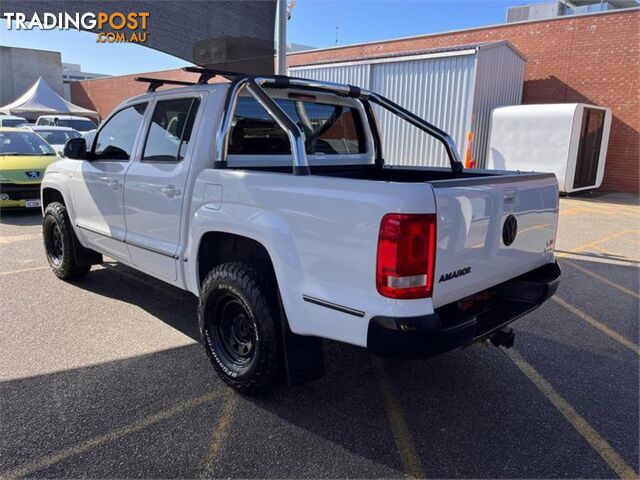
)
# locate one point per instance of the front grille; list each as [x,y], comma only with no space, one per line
[20,192]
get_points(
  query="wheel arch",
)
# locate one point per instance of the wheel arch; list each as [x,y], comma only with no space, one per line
[50,195]
[218,247]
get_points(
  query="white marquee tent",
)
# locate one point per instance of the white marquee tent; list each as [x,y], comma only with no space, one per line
[41,99]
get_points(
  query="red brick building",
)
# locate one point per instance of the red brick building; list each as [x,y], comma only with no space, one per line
[588,58]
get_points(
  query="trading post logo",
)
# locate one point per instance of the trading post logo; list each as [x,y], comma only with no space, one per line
[115,27]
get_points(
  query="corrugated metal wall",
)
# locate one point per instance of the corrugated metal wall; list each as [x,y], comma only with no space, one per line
[455,92]
[353,74]
[499,82]
[440,90]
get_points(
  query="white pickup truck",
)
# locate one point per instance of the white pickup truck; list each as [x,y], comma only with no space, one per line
[269,199]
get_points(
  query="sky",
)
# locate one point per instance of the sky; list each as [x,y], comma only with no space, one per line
[313,23]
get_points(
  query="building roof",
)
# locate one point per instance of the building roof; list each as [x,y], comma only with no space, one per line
[430,51]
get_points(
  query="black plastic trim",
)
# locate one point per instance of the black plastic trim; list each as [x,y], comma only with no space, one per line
[128,242]
[492,179]
[449,327]
[334,306]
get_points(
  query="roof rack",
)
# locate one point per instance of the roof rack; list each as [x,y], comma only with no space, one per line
[154,83]
[207,74]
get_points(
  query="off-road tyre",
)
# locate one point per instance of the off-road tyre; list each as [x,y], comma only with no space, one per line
[238,307]
[60,242]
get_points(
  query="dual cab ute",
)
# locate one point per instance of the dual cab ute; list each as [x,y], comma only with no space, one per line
[269,199]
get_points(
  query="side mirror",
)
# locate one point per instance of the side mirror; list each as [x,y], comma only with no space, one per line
[76,148]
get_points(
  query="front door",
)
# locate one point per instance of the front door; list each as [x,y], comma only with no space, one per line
[99,193]
[154,187]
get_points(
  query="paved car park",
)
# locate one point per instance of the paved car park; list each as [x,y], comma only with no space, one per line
[103,377]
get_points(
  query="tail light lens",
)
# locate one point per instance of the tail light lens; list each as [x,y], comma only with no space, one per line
[406,255]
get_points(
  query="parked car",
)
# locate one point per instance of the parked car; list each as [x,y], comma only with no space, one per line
[269,199]
[80,124]
[24,156]
[12,121]
[56,136]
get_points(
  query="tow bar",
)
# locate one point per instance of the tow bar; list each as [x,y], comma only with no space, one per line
[503,338]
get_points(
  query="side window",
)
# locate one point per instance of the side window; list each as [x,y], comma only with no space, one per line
[115,140]
[170,130]
[328,129]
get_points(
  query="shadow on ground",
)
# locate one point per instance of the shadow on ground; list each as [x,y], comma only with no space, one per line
[470,413]
[23,217]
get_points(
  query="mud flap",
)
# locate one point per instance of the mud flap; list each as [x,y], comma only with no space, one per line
[303,355]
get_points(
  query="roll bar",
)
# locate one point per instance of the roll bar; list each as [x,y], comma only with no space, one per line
[254,85]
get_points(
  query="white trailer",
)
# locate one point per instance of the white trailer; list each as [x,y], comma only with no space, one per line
[567,139]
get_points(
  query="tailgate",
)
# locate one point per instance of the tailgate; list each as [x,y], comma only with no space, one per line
[491,229]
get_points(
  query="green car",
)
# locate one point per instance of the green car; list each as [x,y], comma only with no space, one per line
[24,156]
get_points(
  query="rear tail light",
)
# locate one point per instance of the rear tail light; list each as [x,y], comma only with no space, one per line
[406,255]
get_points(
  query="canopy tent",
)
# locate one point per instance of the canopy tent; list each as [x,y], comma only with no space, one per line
[41,99]
[223,34]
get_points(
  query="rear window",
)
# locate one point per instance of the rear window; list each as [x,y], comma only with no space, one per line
[328,129]
[80,125]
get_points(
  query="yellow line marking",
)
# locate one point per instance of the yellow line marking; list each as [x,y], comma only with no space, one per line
[602,279]
[18,238]
[220,433]
[599,444]
[134,427]
[602,240]
[630,239]
[411,463]
[34,269]
[599,325]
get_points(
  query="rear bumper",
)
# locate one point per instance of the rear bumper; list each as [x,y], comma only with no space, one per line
[450,327]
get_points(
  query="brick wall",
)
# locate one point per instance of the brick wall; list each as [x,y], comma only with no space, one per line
[592,59]
[104,94]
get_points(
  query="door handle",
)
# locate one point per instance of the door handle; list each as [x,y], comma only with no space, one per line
[170,191]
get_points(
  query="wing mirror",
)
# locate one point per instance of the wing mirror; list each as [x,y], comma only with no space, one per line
[76,148]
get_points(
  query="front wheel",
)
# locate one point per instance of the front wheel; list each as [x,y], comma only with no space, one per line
[239,322]
[60,243]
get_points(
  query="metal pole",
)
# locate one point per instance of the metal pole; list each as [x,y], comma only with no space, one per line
[281,52]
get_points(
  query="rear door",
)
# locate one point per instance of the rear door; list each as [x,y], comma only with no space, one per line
[154,186]
[492,229]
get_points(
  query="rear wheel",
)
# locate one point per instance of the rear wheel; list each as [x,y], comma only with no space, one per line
[60,243]
[239,322]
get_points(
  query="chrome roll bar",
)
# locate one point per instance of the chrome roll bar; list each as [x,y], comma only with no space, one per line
[300,162]
[296,138]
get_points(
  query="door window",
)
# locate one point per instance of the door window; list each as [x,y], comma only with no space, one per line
[115,140]
[170,130]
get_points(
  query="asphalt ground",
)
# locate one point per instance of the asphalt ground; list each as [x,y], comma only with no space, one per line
[103,377]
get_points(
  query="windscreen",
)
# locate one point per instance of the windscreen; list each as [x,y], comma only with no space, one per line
[23,143]
[328,129]
[58,137]
[80,125]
